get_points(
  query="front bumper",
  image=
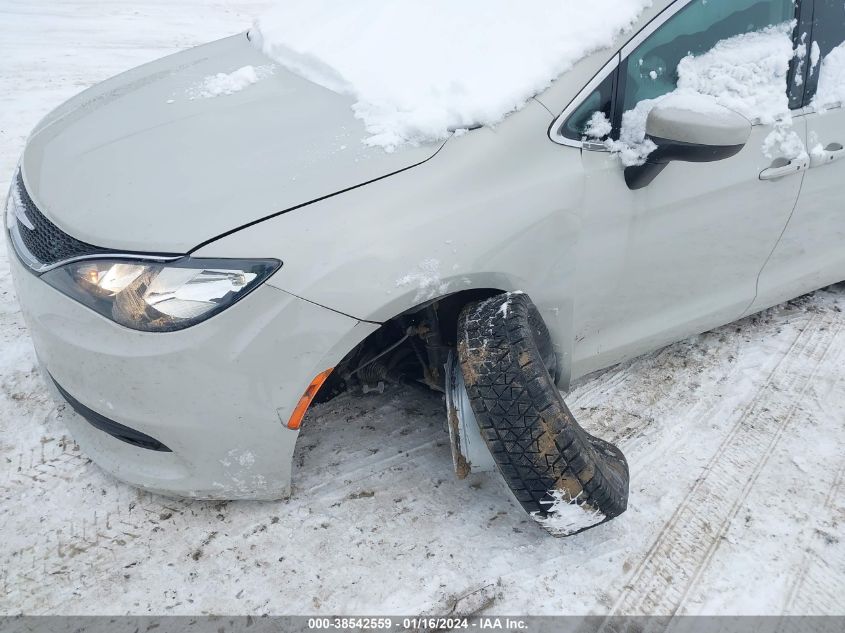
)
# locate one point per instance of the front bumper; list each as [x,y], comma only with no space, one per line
[218,394]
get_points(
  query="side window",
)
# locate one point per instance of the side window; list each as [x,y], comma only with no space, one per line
[651,70]
[826,81]
[600,100]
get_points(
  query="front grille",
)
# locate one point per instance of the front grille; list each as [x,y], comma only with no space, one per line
[46,242]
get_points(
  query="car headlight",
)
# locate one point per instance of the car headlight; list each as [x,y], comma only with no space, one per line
[155,296]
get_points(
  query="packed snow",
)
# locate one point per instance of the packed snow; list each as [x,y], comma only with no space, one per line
[420,70]
[801,56]
[734,439]
[566,515]
[598,126]
[815,57]
[831,90]
[230,83]
[746,73]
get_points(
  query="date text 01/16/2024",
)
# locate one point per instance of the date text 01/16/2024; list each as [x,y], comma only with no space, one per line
[418,623]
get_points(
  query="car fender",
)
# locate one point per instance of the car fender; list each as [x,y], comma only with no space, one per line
[497,208]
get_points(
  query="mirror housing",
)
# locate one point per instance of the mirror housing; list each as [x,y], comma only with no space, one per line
[704,133]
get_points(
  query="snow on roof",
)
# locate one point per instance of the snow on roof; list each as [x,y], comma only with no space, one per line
[421,69]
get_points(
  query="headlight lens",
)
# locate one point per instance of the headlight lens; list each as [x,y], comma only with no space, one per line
[160,296]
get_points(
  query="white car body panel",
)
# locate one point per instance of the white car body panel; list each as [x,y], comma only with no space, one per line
[811,253]
[218,394]
[678,257]
[496,209]
[148,168]
[280,170]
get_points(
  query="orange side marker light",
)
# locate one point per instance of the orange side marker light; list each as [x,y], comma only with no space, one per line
[305,401]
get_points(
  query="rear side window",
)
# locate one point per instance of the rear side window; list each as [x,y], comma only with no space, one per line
[651,69]
[826,81]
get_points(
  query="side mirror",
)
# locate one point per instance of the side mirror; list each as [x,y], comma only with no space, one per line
[701,135]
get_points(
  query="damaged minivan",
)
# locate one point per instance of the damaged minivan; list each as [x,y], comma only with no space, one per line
[208,244]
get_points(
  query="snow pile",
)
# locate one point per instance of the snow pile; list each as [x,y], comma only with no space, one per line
[746,73]
[801,56]
[815,56]
[598,126]
[420,70]
[230,83]
[831,90]
[817,151]
[566,516]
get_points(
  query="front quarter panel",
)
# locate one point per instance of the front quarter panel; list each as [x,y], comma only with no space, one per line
[495,208]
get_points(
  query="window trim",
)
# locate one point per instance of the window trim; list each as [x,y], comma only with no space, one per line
[806,22]
[557,125]
[621,57]
[649,29]
[615,63]
[810,88]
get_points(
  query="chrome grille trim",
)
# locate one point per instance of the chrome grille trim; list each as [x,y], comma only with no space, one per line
[46,246]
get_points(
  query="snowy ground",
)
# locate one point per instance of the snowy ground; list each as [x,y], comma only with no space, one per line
[734,440]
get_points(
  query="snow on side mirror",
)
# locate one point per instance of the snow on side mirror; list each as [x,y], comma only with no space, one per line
[699,132]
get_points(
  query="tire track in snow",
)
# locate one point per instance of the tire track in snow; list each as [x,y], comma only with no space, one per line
[686,543]
[601,383]
[811,592]
[594,402]
[368,470]
[595,388]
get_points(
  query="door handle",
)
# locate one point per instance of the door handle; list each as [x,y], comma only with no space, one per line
[829,154]
[783,167]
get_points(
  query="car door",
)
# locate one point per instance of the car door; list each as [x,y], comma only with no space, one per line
[811,253]
[683,254]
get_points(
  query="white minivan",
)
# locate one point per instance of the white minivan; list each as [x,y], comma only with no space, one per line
[195,273]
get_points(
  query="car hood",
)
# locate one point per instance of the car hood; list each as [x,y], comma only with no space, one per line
[145,162]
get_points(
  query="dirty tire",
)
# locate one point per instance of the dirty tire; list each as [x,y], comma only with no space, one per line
[506,355]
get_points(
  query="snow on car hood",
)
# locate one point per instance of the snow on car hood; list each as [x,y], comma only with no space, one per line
[418,70]
[177,152]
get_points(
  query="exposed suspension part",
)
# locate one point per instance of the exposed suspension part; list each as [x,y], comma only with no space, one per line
[412,348]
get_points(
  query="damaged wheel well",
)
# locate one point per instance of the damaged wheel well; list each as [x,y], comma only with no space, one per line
[412,348]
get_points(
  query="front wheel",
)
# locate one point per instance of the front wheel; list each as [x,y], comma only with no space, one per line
[566,479]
